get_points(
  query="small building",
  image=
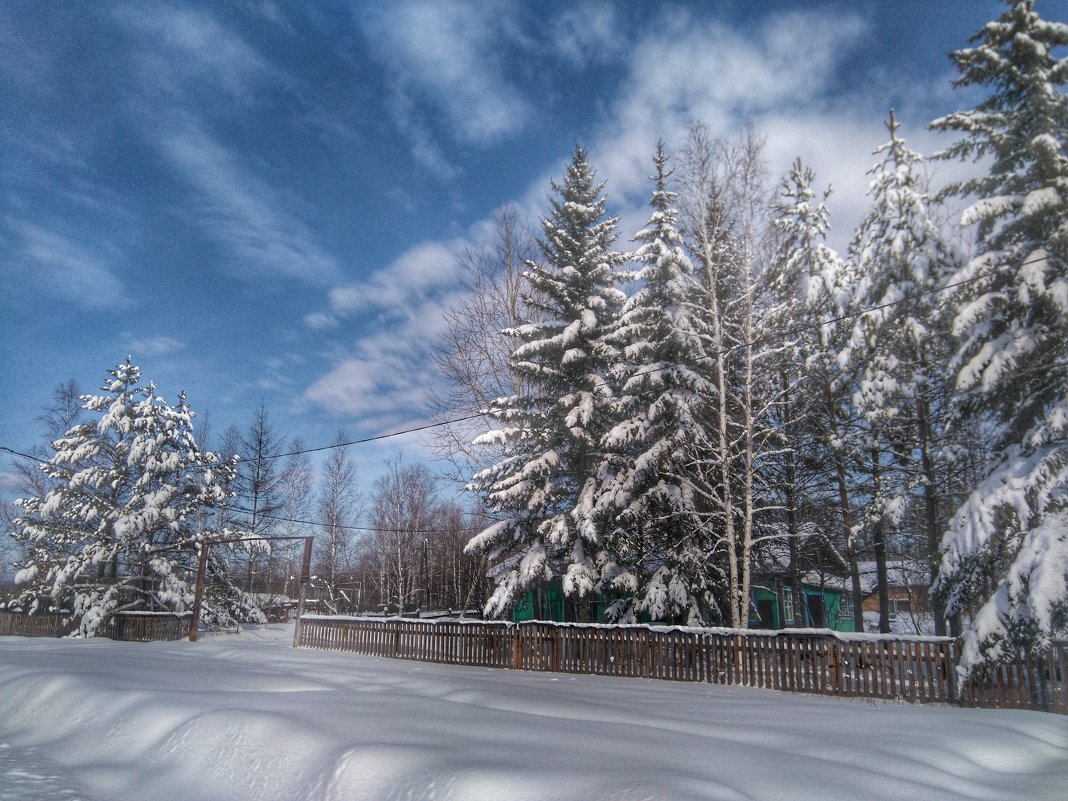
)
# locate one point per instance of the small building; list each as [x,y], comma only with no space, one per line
[548,602]
[822,575]
[908,585]
[824,606]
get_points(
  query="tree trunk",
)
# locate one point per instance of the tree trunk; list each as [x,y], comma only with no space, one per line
[879,535]
[930,503]
[841,477]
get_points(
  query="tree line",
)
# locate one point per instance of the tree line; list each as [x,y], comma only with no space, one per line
[113,513]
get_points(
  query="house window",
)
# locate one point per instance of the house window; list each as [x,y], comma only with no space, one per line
[788,604]
[899,606]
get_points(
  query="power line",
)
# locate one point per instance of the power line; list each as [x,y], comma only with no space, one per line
[373,529]
[23,455]
[371,439]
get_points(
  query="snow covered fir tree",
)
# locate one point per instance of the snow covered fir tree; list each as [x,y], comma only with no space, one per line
[650,495]
[129,498]
[895,357]
[1005,558]
[551,431]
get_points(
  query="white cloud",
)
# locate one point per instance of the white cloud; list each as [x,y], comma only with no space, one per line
[9,481]
[587,33]
[68,269]
[690,70]
[448,55]
[320,321]
[153,346]
[420,271]
[384,376]
[244,213]
[425,150]
[183,51]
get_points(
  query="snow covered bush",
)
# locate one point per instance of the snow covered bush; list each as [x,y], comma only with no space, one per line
[128,503]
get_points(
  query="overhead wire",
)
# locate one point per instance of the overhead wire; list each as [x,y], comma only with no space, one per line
[343,527]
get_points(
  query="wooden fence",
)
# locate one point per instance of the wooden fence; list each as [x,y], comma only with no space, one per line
[912,669]
[127,626]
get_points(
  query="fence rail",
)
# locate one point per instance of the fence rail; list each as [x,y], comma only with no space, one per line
[126,626]
[912,669]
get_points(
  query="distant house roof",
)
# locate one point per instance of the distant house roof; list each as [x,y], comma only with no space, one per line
[899,573]
[818,558]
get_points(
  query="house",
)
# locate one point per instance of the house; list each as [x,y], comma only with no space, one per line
[547,601]
[822,575]
[908,582]
[826,600]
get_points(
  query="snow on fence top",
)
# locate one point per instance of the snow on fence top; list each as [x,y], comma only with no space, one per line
[844,636]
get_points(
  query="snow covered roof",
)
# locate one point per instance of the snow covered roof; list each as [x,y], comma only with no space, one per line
[899,573]
[817,556]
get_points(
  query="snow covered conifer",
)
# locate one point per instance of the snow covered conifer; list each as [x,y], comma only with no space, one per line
[898,347]
[809,286]
[552,430]
[651,497]
[122,488]
[1006,551]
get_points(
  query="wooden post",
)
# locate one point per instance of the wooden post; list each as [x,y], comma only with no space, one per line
[305,575]
[198,597]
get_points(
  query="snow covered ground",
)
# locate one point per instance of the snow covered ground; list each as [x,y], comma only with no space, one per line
[248,717]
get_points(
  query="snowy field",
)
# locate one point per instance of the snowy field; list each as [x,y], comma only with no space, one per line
[248,717]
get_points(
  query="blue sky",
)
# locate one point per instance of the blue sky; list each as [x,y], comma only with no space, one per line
[265,201]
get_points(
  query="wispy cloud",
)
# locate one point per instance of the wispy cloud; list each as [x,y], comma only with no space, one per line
[180,50]
[67,269]
[243,213]
[9,482]
[181,58]
[416,274]
[587,33]
[450,56]
[152,346]
[386,373]
[384,377]
[320,321]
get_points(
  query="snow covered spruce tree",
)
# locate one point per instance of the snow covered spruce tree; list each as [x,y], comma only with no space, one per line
[1006,550]
[809,286]
[651,497]
[898,350]
[551,432]
[123,488]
